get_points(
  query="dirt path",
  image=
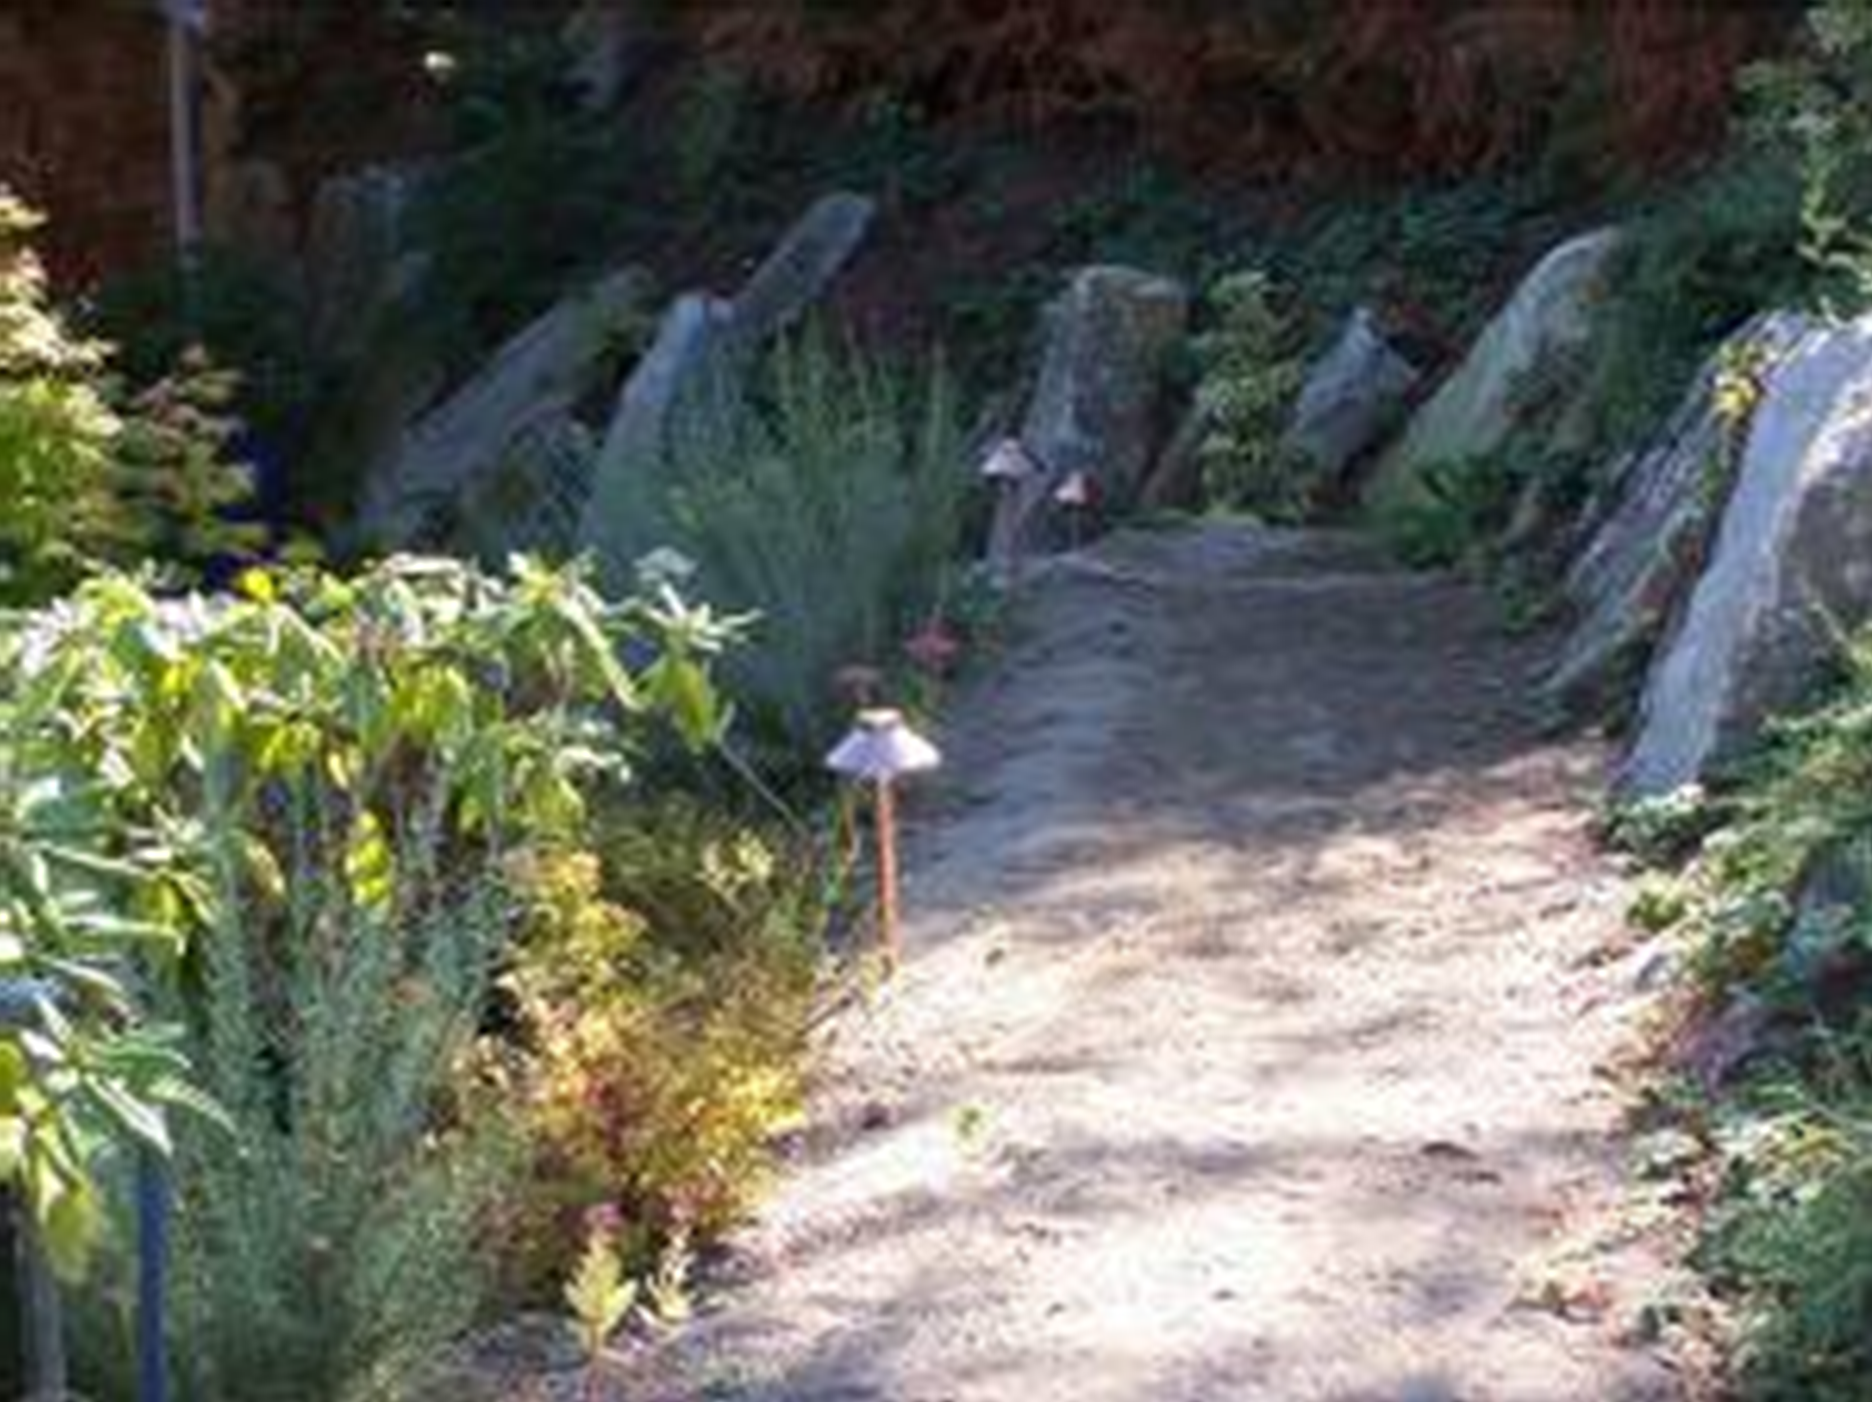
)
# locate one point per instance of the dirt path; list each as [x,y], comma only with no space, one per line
[1249,1039]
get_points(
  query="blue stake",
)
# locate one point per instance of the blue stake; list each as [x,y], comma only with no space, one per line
[152,1271]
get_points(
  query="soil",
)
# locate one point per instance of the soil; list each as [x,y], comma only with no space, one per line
[1254,1034]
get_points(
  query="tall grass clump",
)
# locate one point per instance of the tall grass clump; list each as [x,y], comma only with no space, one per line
[334,790]
[827,502]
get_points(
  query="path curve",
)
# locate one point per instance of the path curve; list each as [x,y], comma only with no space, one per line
[1249,1045]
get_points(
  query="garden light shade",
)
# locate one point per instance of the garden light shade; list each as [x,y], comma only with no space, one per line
[1009,462]
[1075,492]
[883,747]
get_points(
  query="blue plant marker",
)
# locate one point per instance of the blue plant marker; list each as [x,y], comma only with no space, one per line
[152,1272]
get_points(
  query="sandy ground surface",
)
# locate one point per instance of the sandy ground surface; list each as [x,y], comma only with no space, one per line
[1252,1036]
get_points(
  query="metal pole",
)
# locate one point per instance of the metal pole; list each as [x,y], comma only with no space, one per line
[183,153]
[46,1372]
[889,931]
[152,1273]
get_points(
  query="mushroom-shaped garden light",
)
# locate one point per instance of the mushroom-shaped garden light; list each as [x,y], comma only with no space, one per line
[880,750]
[1076,496]
[1008,470]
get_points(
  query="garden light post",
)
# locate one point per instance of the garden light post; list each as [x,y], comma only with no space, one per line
[1076,496]
[1009,470]
[881,749]
[187,23]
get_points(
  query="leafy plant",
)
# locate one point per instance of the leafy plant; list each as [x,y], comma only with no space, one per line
[1454,512]
[1250,378]
[331,783]
[1793,1232]
[1817,105]
[664,992]
[88,474]
[1778,899]
[600,1293]
[828,504]
[230,309]
[1693,266]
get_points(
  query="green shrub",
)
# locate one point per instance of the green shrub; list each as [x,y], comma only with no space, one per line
[1778,901]
[1250,378]
[1813,110]
[826,502]
[1801,803]
[1454,512]
[330,784]
[89,474]
[1792,1234]
[1694,266]
[664,989]
[241,313]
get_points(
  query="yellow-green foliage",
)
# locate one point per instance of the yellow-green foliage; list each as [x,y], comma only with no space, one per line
[280,832]
[56,429]
[86,474]
[665,991]
[1250,379]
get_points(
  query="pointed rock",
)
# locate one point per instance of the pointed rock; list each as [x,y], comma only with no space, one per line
[1791,568]
[1546,324]
[1643,559]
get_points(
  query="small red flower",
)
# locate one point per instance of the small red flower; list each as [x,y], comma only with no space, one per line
[934,648]
[604,1221]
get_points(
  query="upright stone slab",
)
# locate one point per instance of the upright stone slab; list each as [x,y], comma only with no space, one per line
[1354,396]
[356,247]
[798,274]
[1642,560]
[535,379]
[701,352]
[1791,568]
[683,363]
[1534,340]
[1098,404]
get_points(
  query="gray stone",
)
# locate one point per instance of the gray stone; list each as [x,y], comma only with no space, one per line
[535,380]
[683,365]
[700,354]
[1353,398]
[1098,404]
[1649,545]
[610,46]
[358,248]
[1535,340]
[795,278]
[1790,569]
[1176,482]
[1721,1048]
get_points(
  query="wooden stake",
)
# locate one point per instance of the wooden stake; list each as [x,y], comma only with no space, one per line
[889,933]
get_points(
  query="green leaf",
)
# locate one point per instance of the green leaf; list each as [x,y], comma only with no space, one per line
[70,1230]
[142,1122]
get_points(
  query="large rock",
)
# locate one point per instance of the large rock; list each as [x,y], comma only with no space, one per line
[685,365]
[1642,560]
[701,351]
[358,248]
[610,46]
[1535,341]
[1791,567]
[533,499]
[534,381]
[1176,480]
[1098,405]
[1353,398]
[796,276]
